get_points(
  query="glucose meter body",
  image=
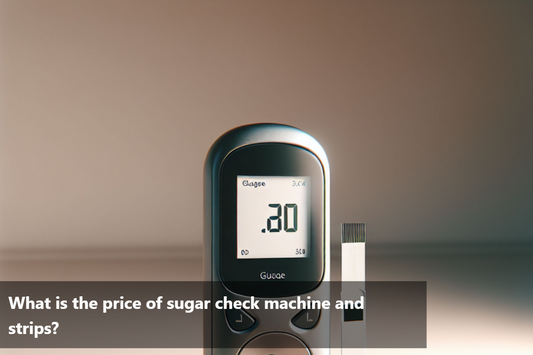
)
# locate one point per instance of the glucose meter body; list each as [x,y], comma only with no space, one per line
[266,236]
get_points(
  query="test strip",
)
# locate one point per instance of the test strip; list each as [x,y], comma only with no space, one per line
[353,337]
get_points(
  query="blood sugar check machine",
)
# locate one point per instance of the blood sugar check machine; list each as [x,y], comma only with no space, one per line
[266,236]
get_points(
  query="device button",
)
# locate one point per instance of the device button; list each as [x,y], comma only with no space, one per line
[275,344]
[306,319]
[239,320]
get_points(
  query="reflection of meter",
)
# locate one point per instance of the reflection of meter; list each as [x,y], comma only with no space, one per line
[266,220]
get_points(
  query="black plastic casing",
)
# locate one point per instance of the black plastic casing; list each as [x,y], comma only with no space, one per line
[262,150]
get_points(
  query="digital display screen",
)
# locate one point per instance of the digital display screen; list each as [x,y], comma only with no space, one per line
[273,216]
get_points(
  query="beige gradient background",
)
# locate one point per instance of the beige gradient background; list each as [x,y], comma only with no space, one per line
[425,108]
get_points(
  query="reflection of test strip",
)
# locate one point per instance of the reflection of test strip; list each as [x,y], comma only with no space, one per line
[353,277]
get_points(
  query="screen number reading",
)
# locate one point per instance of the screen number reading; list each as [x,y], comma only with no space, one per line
[275,222]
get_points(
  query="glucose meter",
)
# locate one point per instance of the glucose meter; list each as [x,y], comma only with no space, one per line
[266,235]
